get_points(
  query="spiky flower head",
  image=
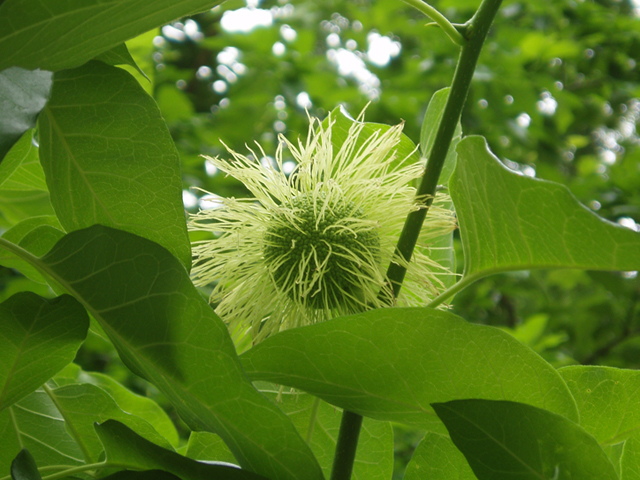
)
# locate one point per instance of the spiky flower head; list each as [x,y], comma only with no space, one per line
[316,244]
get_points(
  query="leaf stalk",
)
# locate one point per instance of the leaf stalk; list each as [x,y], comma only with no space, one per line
[478,28]
[440,20]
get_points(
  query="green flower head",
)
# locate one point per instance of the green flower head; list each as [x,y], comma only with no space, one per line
[316,244]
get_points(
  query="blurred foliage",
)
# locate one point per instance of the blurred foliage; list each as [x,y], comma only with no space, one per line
[556,93]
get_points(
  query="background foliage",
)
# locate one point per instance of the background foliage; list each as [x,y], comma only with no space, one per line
[556,94]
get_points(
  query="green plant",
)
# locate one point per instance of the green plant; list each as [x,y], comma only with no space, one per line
[93,202]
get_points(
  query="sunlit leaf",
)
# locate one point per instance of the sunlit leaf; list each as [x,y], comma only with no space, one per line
[512,222]
[37,339]
[630,461]
[109,158]
[507,440]
[21,169]
[437,458]
[54,35]
[391,364]
[119,55]
[608,401]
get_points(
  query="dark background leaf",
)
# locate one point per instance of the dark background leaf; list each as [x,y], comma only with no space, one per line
[24,467]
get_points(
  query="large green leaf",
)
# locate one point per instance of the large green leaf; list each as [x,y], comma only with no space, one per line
[507,440]
[608,401]
[126,449]
[109,158]
[82,406]
[137,405]
[24,467]
[630,461]
[512,222]
[55,35]
[36,424]
[437,458]
[167,333]
[38,338]
[391,364]
[23,94]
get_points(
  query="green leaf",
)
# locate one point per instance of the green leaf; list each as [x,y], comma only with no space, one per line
[430,123]
[210,447]
[391,364]
[437,458]
[119,55]
[608,401]
[16,205]
[506,440]
[36,424]
[24,467]
[83,405]
[630,461]
[137,405]
[168,334]
[36,235]
[125,448]
[109,158]
[340,131]
[512,222]
[23,94]
[38,338]
[23,189]
[21,169]
[55,35]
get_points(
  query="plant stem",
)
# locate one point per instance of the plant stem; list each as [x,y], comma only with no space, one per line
[346,446]
[476,34]
[440,20]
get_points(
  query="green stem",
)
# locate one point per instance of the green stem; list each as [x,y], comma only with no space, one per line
[346,446]
[67,470]
[476,34]
[80,469]
[440,20]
